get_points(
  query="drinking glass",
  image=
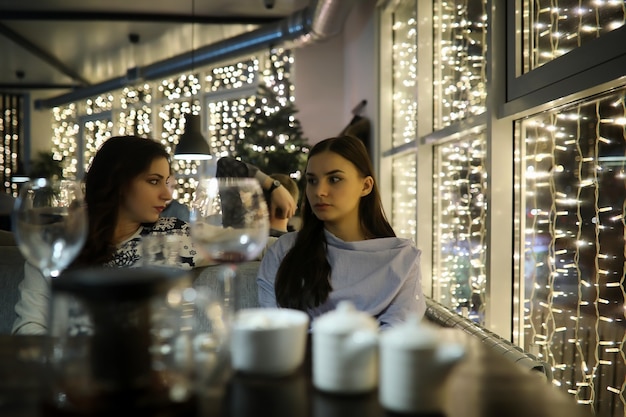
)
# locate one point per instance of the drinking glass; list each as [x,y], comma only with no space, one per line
[229,219]
[229,224]
[50,223]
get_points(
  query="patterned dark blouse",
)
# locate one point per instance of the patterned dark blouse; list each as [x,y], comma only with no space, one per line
[175,244]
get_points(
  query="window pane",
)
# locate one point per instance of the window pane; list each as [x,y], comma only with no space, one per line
[574,174]
[460,53]
[65,138]
[135,113]
[95,132]
[404,196]
[459,221]
[404,62]
[552,29]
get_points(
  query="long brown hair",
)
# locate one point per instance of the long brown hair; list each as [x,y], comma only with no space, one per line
[116,164]
[303,278]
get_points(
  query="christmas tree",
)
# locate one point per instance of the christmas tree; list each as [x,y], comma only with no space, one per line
[273,140]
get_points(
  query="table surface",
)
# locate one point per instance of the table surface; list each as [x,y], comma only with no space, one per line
[482,384]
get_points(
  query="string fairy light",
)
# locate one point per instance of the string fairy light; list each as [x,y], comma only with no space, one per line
[136,109]
[573,246]
[459,61]
[574,294]
[460,204]
[552,28]
[572,250]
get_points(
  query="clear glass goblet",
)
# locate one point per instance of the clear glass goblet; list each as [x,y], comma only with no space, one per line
[228,224]
[50,223]
[229,219]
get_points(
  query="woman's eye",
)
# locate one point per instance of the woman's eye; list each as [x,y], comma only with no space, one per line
[334,180]
[311,181]
[153,182]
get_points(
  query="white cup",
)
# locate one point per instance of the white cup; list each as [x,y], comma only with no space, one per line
[269,341]
[414,366]
[345,350]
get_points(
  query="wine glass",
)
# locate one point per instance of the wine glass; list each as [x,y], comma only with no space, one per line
[229,223]
[229,219]
[50,223]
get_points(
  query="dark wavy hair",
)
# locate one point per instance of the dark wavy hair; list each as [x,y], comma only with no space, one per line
[303,279]
[116,164]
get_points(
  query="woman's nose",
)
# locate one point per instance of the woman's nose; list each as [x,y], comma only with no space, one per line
[167,193]
[321,189]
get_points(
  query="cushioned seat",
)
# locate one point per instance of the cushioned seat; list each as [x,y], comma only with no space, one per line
[11,273]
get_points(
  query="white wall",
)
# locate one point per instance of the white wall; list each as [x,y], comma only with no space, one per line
[333,76]
[41,122]
[319,84]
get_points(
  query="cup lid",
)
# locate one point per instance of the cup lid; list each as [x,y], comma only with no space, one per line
[412,334]
[344,319]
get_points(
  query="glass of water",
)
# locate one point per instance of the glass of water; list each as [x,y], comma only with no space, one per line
[50,223]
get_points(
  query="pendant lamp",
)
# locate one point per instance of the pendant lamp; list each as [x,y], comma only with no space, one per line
[192,145]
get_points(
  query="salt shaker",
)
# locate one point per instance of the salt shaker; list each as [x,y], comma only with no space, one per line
[413,367]
[345,351]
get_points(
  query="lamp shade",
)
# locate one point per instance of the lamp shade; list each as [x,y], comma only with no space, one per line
[192,145]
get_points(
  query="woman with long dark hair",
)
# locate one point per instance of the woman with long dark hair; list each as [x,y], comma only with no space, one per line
[345,249]
[125,191]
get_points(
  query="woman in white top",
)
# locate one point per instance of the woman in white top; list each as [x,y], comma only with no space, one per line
[345,249]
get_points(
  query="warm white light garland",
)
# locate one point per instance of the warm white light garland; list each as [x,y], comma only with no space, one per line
[552,28]
[574,299]
[136,109]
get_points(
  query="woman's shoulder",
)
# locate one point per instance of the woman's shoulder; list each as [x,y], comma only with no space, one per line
[281,245]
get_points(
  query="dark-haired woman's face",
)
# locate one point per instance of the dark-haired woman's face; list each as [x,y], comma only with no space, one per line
[334,188]
[147,194]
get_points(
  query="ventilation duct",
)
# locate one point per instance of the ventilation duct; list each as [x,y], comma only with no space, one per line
[321,20]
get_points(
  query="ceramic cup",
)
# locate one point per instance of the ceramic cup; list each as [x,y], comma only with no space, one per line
[345,351]
[269,341]
[414,366]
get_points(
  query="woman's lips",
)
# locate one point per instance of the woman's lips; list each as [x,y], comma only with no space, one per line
[160,209]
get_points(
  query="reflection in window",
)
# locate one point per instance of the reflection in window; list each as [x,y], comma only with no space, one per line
[460,52]
[554,27]
[574,176]
[460,207]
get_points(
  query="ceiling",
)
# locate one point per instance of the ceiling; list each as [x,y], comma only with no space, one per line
[52,44]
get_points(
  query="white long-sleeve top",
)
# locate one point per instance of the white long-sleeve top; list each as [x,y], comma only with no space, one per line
[380,276]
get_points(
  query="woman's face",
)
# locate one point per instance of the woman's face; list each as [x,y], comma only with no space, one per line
[334,188]
[147,194]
